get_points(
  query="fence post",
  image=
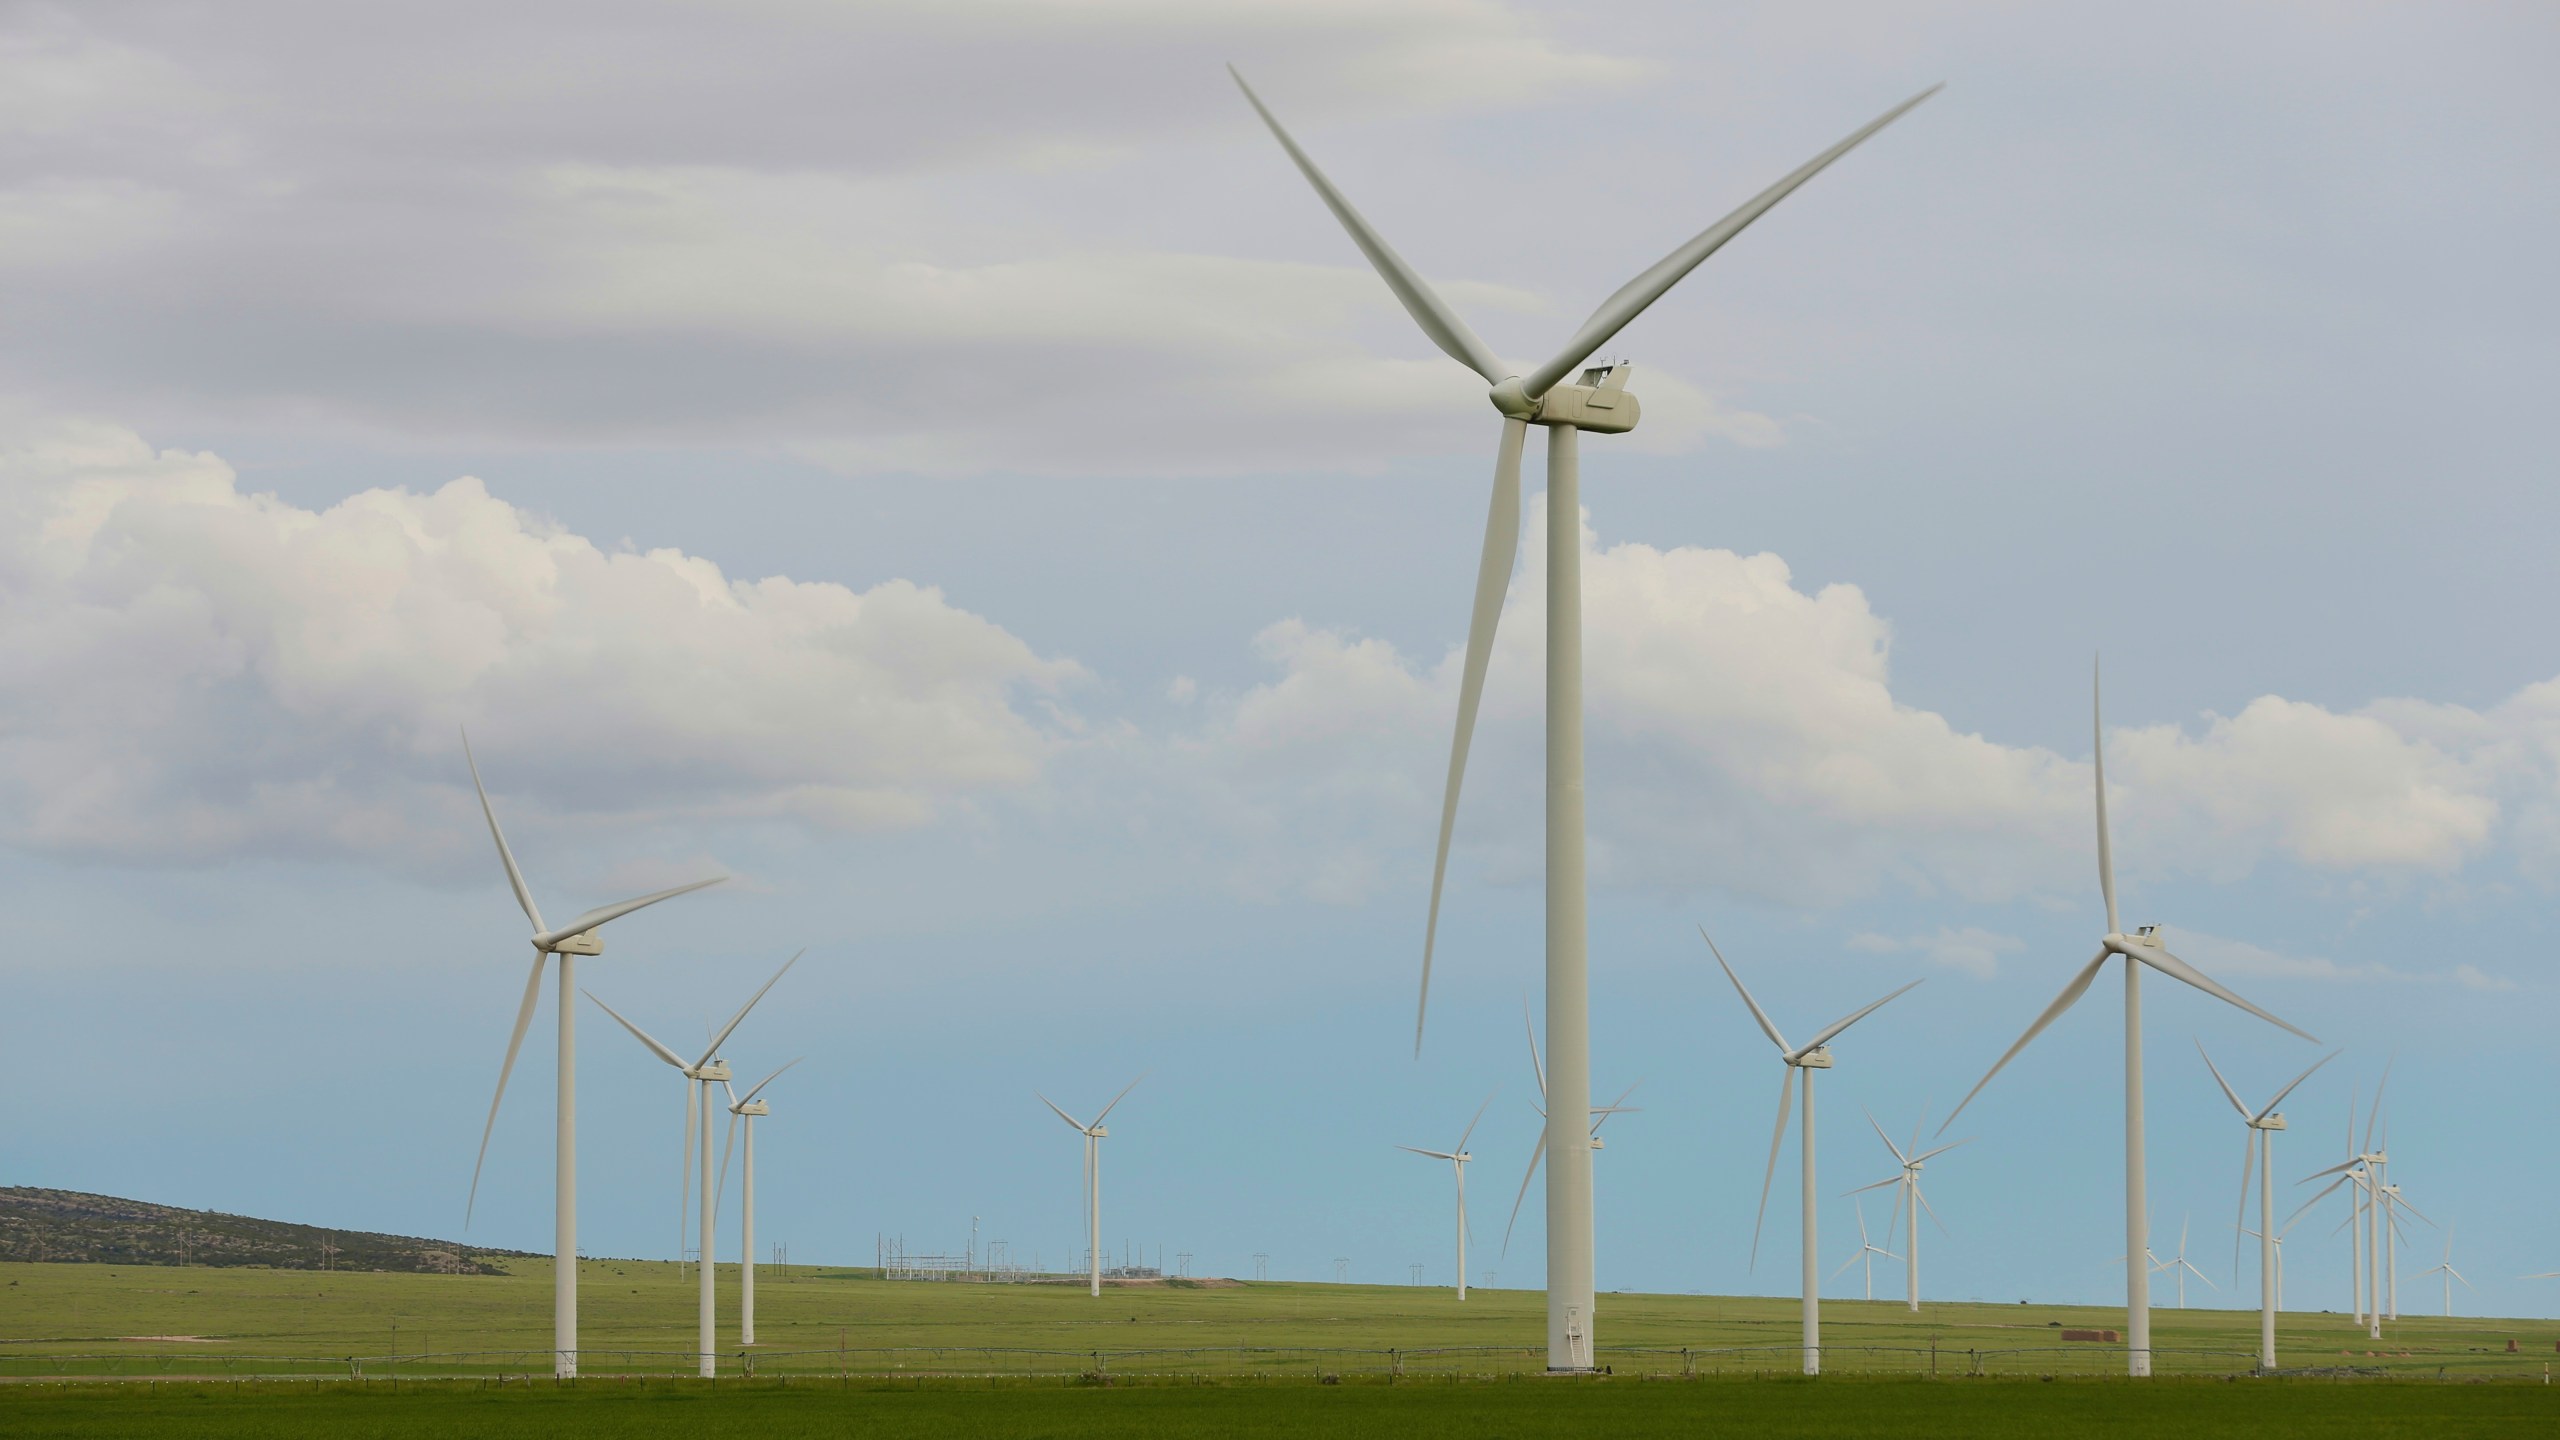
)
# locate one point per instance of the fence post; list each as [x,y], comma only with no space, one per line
[1688,1364]
[1933,1357]
[1395,1362]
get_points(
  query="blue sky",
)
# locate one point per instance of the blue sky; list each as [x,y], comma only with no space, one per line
[943,468]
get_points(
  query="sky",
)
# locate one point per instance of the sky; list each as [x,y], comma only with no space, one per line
[942,468]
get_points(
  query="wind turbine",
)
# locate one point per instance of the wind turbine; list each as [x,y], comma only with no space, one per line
[1908,1199]
[1868,1250]
[2259,1156]
[2450,1274]
[578,937]
[2180,1266]
[2281,1231]
[1457,1157]
[1598,401]
[2363,1169]
[1599,1116]
[2140,948]
[1800,1061]
[746,1111]
[698,1076]
[1093,1135]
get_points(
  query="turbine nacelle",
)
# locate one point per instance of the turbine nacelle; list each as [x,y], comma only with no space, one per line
[751,1108]
[708,1070]
[1598,402]
[585,942]
[2145,937]
[1816,1058]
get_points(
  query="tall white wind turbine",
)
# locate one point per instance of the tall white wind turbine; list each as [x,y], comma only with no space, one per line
[2361,1170]
[1908,1200]
[578,937]
[1868,1250]
[1094,1134]
[1599,1116]
[2445,1268]
[2139,949]
[1597,401]
[699,1075]
[744,1113]
[2258,1160]
[1800,1060]
[1457,1157]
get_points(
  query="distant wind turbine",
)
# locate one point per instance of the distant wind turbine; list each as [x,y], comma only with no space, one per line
[2182,1267]
[1597,401]
[1094,1134]
[1457,1157]
[2445,1267]
[699,1074]
[2140,948]
[1801,1061]
[570,941]
[1599,1116]
[1908,1201]
[1868,1250]
[2259,1157]
[743,1114]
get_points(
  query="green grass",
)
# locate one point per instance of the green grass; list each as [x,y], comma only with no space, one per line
[636,1313]
[1762,1409]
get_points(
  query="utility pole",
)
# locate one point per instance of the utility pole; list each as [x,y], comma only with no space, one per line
[1417,1273]
[1261,1266]
[1341,1270]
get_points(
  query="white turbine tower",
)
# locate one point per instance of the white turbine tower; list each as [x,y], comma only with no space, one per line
[2180,1266]
[2362,1169]
[1457,1157]
[1800,1061]
[2140,948]
[1907,1200]
[1599,402]
[699,1074]
[2446,1269]
[1868,1250]
[745,1112]
[577,938]
[1093,1135]
[2257,1160]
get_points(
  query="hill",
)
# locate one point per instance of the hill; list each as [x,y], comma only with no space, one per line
[66,1225]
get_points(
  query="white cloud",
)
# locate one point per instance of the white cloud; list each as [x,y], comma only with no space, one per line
[201,673]
[2228,959]
[1969,949]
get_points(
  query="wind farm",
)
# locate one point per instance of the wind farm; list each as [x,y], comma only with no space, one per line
[978,504]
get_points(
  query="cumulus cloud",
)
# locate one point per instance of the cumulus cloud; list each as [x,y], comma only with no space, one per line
[202,673]
[1743,736]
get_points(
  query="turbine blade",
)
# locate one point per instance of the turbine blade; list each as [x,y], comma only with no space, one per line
[1898,1157]
[2069,997]
[1425,306]
[2298,1079]
[2401,1202]
[506,857]
[1786,1099]
[2339,1168]
[616,911]
[1537,1066]
[2314,1200]
[2168,964]
[727,1139]
[1493,582]
[515,1042]
[2227,1092]
[1845,1021]
[769,1079]
[730,1091]
[1766,1028]
[1061,1114]
[2098,760]
[1863,1189]
[1434,1154]
[2374,1116]
[1116,1099]
[643,1036]
[1844,1266]
[2248,1173]
[1943,1149]
[1632,297]
[731,1028]
[1535,1156]
[1918,1195]
[1471,1125]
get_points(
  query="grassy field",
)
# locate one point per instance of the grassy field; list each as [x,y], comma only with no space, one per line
[133,1320]
[1478,1410]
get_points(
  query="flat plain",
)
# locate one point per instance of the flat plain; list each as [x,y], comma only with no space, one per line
[140,1350]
